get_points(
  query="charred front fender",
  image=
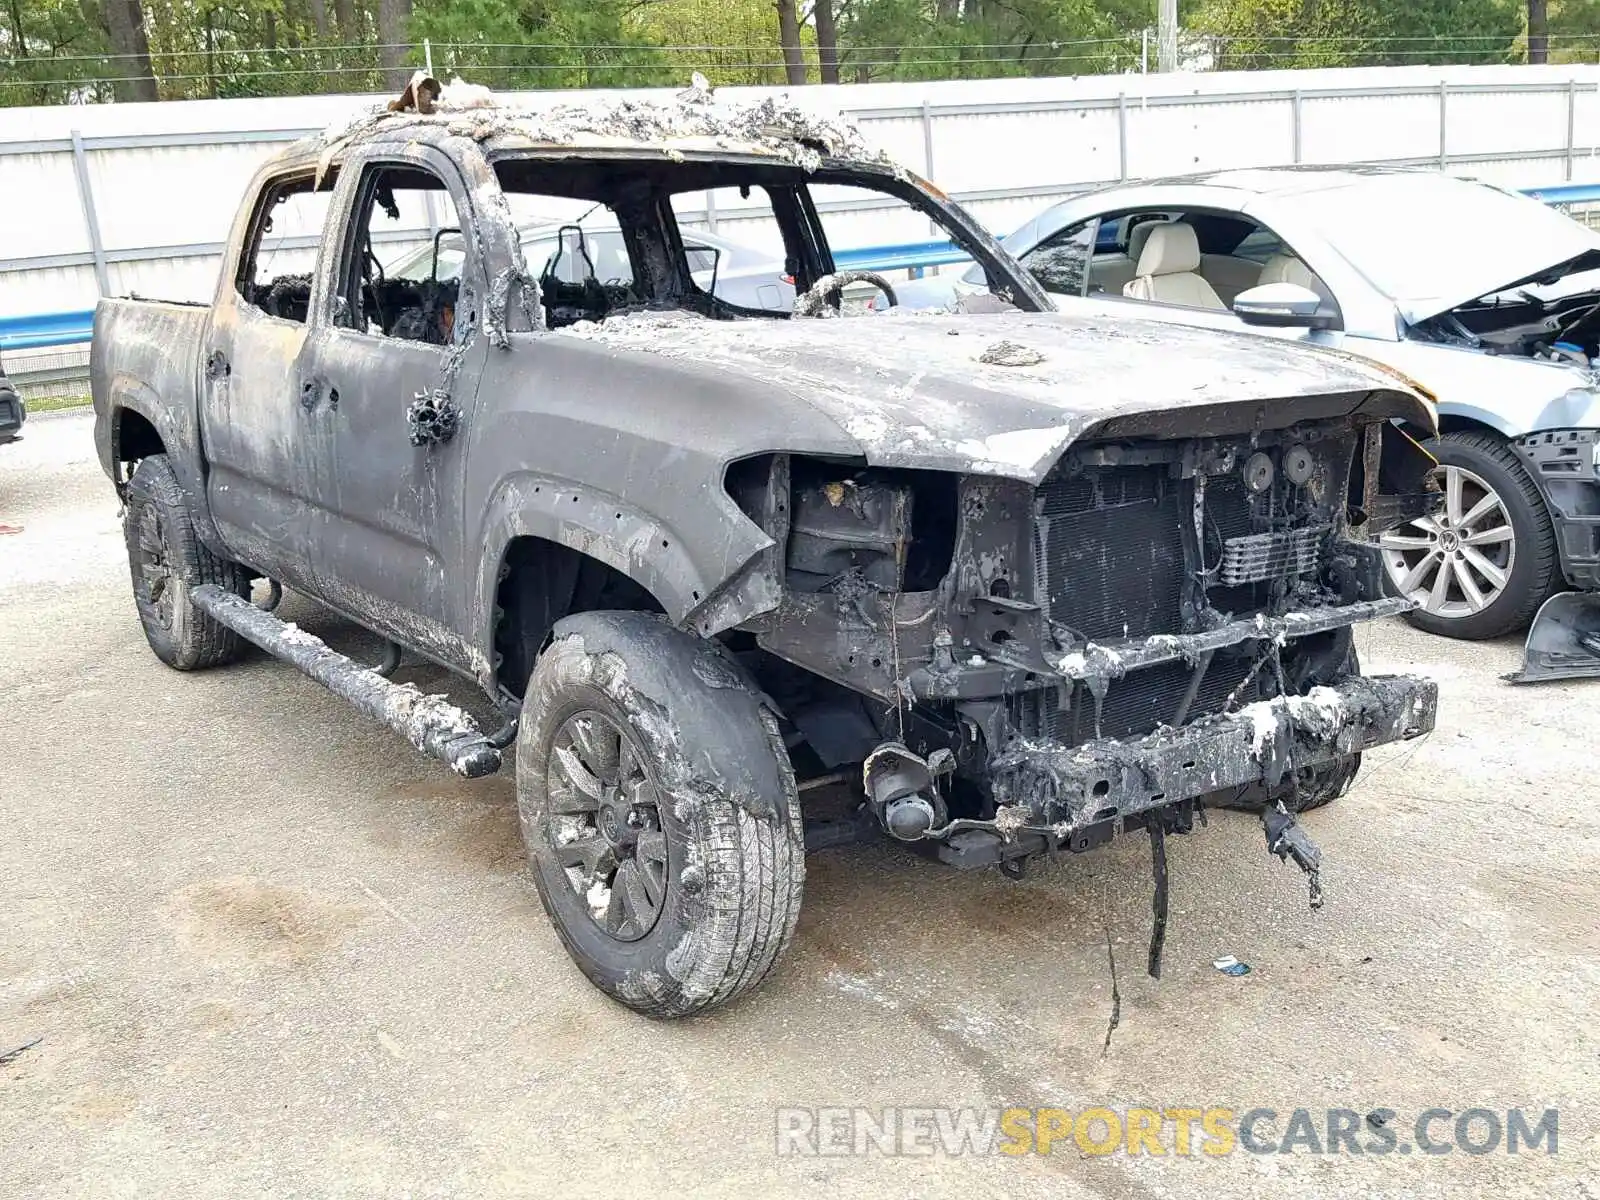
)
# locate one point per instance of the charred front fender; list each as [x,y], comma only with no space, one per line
[681,572]
[623,456]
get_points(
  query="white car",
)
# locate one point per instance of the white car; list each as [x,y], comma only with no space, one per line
[1488,299]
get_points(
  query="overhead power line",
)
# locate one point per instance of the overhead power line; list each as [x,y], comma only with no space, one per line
[1440,40]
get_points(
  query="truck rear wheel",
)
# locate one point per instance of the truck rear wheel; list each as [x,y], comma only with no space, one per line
[659,813]
[166,559]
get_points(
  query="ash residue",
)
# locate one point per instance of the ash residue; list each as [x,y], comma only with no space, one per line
[774,126]
[1011,354]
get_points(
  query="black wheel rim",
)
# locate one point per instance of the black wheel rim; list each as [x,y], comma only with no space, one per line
[153,569]
[603,827]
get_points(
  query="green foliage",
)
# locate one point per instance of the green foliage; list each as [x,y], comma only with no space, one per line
[911,39]
[541,43]
[35,36]
[1252,34]
[58,51]
[730,42]
[1575,31]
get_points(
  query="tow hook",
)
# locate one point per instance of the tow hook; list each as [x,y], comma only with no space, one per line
[1288,840]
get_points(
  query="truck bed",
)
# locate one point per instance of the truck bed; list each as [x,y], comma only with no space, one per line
[145,358]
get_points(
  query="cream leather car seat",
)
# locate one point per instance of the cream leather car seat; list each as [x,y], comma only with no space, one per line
[1286,268]
[1168,269]
[1113,272]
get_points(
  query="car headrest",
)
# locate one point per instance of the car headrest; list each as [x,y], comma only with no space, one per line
[1171,249]
[1286,268]
[1138,236]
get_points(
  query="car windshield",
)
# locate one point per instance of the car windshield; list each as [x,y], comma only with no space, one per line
[1420,236]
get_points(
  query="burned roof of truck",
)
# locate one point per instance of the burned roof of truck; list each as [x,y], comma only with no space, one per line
[692,122]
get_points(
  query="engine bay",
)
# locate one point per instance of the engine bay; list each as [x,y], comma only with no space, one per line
[1520,322]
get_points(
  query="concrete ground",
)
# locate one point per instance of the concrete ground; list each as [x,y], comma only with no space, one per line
[260,946]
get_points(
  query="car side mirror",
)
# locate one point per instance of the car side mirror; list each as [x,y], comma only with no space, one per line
[1282,306]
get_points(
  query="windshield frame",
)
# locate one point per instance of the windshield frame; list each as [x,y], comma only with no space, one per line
[955,222]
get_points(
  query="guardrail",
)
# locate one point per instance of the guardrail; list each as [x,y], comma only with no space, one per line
[71,328]
[48,329]
[1566,193]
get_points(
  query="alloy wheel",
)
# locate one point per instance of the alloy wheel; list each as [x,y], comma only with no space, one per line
[604,825]
[1456,562]
[155,581]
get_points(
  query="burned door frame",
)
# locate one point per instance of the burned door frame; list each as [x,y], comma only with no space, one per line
[260,480]
[386,528]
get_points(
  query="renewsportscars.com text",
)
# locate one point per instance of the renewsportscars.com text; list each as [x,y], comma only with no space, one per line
[842,1132]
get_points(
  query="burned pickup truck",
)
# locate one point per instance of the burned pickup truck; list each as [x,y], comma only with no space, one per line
[1024,580]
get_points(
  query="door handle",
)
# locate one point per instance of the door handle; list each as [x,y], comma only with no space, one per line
[217,365]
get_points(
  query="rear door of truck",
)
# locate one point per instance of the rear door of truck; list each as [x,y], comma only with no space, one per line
[260,434]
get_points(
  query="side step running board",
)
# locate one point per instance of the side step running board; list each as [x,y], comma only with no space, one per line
[430,723]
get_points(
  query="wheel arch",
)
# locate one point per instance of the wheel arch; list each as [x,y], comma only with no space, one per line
[141,424]
[134,435]
[1466,418]
[537,584]
[619,535]
[1460,423]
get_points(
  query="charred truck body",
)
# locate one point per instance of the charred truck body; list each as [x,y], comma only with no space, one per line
[1030,580]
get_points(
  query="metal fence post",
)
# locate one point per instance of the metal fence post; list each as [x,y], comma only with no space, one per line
[711,210]
[1294,106]
[432,210]
[1444,96]
[91,222]
[1572,123]
[1122,135]
[927,140]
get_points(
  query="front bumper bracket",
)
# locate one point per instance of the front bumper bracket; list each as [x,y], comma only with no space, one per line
[1052,797]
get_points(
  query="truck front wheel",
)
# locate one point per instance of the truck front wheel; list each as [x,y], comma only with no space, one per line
[166,559]
[659,813]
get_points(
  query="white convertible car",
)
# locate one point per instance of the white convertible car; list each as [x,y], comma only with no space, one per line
[1488,299]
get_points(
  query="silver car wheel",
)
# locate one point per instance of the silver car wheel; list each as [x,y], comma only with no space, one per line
[1457,562]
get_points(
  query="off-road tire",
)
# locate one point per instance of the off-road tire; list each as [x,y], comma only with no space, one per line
[1319,785]
[156,515]
[1536,569]
[710,747]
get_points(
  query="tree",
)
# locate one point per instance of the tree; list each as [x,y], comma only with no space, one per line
[1538,32]
[911,39]
[123,24]
[794,62]
[394,16]
[827,41]
[1572,31]
[59,51]
[1250,34]
[541,43]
